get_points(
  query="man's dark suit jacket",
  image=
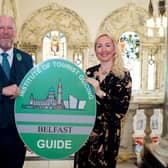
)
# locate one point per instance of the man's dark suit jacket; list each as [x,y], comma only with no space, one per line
[22,63]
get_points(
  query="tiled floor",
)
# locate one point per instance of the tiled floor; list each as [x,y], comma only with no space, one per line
[34,161]
[64,164]
[126,165]
[48,164]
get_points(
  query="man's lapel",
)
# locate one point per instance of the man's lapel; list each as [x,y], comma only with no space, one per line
[17,67]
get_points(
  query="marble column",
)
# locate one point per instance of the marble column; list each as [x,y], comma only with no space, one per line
[148,130]
[161,150]
[127,145]
[9,8]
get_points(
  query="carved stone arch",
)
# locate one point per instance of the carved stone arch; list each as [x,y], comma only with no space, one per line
[127,18]
[54,17]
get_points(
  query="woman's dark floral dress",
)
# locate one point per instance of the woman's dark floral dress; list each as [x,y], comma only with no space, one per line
[101,148]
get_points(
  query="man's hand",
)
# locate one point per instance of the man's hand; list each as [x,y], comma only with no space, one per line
[12,90]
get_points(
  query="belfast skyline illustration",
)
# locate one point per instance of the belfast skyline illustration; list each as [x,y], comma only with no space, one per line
[53,102]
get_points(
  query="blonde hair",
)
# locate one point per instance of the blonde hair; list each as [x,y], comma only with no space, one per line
[117,68]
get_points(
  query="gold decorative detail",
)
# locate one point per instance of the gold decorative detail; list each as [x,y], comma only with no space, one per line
[126,156]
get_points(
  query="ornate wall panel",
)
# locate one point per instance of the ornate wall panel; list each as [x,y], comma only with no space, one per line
[133,18]
[128,18]
[55,17]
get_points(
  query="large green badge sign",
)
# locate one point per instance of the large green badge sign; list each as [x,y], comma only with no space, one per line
[56,109]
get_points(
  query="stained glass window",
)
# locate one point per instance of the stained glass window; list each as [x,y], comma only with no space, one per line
[129,44]
[54,45]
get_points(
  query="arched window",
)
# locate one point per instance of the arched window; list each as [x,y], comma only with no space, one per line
[54,45]
[129,44]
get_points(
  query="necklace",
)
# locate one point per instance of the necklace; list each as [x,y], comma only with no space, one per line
[100,74]
[102,71]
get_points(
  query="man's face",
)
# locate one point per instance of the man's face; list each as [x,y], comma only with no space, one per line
[7,32]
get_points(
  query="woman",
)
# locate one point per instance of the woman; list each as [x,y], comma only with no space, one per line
[112,86]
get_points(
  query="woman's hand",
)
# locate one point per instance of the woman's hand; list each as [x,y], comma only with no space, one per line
[94,83]
[96,86]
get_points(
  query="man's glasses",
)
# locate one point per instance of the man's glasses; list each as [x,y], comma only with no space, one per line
[9,28]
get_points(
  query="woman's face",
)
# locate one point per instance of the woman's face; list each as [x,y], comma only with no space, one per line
[104,49]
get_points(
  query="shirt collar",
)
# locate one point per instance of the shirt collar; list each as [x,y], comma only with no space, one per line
[10,51]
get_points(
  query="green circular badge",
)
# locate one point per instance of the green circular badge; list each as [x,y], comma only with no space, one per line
[56,109]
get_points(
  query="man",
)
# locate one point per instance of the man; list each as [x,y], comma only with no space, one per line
[12,71]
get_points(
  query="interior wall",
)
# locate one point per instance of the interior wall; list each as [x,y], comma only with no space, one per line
[92,11]
[80,22]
